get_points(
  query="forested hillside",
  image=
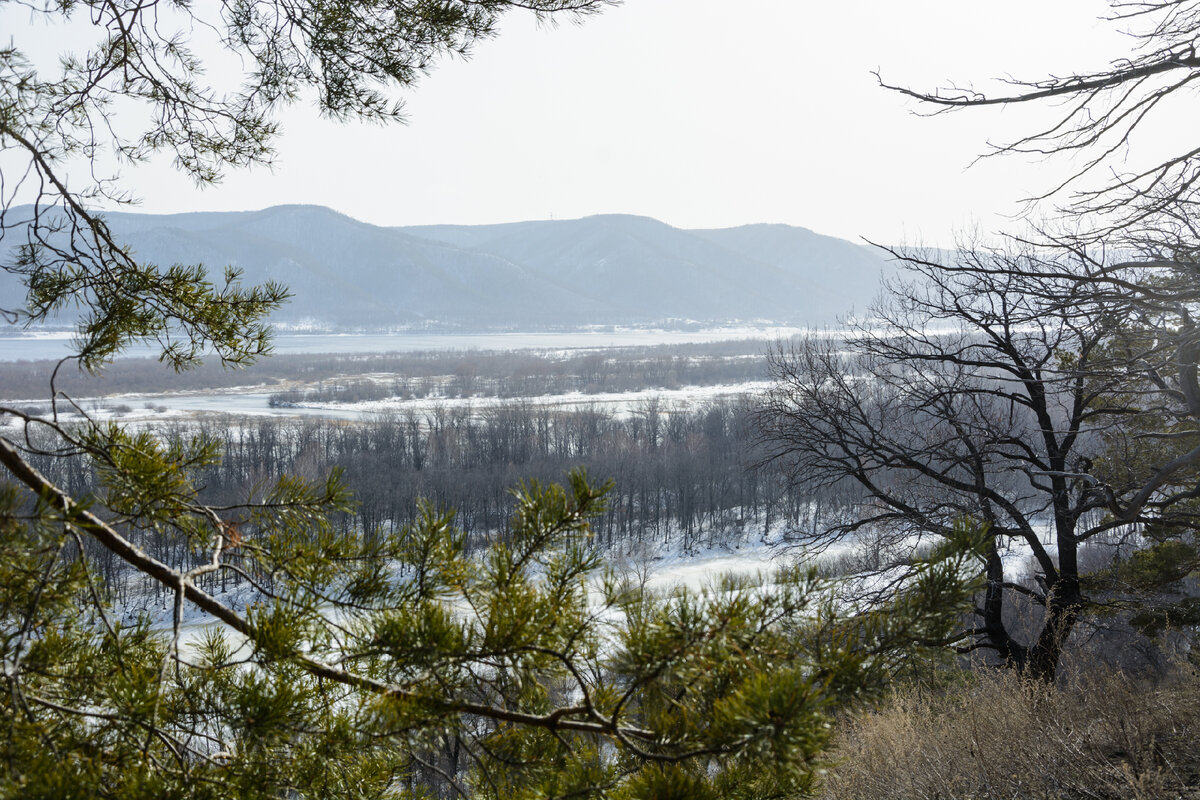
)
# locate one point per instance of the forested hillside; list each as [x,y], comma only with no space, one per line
[613,269]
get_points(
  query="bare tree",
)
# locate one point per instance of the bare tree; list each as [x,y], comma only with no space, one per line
[1101,112]
[987,387]
[1130,226]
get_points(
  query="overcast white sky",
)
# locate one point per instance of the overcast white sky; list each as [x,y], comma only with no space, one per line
[697,112]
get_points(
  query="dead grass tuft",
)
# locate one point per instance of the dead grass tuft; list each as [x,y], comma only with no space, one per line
[994,736]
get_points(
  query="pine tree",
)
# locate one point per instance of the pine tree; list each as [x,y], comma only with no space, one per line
[370,663]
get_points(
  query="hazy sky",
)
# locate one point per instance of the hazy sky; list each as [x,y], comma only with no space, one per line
[697,112]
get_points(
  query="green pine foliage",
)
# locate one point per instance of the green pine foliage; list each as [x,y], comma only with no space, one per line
[393,665]
[1153,582]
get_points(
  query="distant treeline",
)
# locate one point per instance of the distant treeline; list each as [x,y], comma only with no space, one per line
[502,373]
[688,476]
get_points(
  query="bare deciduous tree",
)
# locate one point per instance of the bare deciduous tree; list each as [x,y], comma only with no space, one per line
[1102,113]
[988,387]
[1129,223]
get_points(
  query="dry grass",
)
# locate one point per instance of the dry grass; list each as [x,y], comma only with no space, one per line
[994,736]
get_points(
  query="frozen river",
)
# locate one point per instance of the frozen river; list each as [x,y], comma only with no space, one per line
[57,345]
[251,403]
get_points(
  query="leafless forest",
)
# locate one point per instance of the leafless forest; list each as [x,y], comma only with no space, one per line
[685,474]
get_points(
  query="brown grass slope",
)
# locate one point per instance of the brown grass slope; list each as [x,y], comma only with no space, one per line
[992,736]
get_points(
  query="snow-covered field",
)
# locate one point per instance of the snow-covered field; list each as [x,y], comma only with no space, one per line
[617,402]
[240,402]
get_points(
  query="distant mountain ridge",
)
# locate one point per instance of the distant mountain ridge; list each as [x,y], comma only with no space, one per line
[609,269]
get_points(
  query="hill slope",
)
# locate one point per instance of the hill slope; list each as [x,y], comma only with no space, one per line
[612,269]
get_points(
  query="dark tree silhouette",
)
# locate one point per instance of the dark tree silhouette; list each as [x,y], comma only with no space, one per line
[977,391]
